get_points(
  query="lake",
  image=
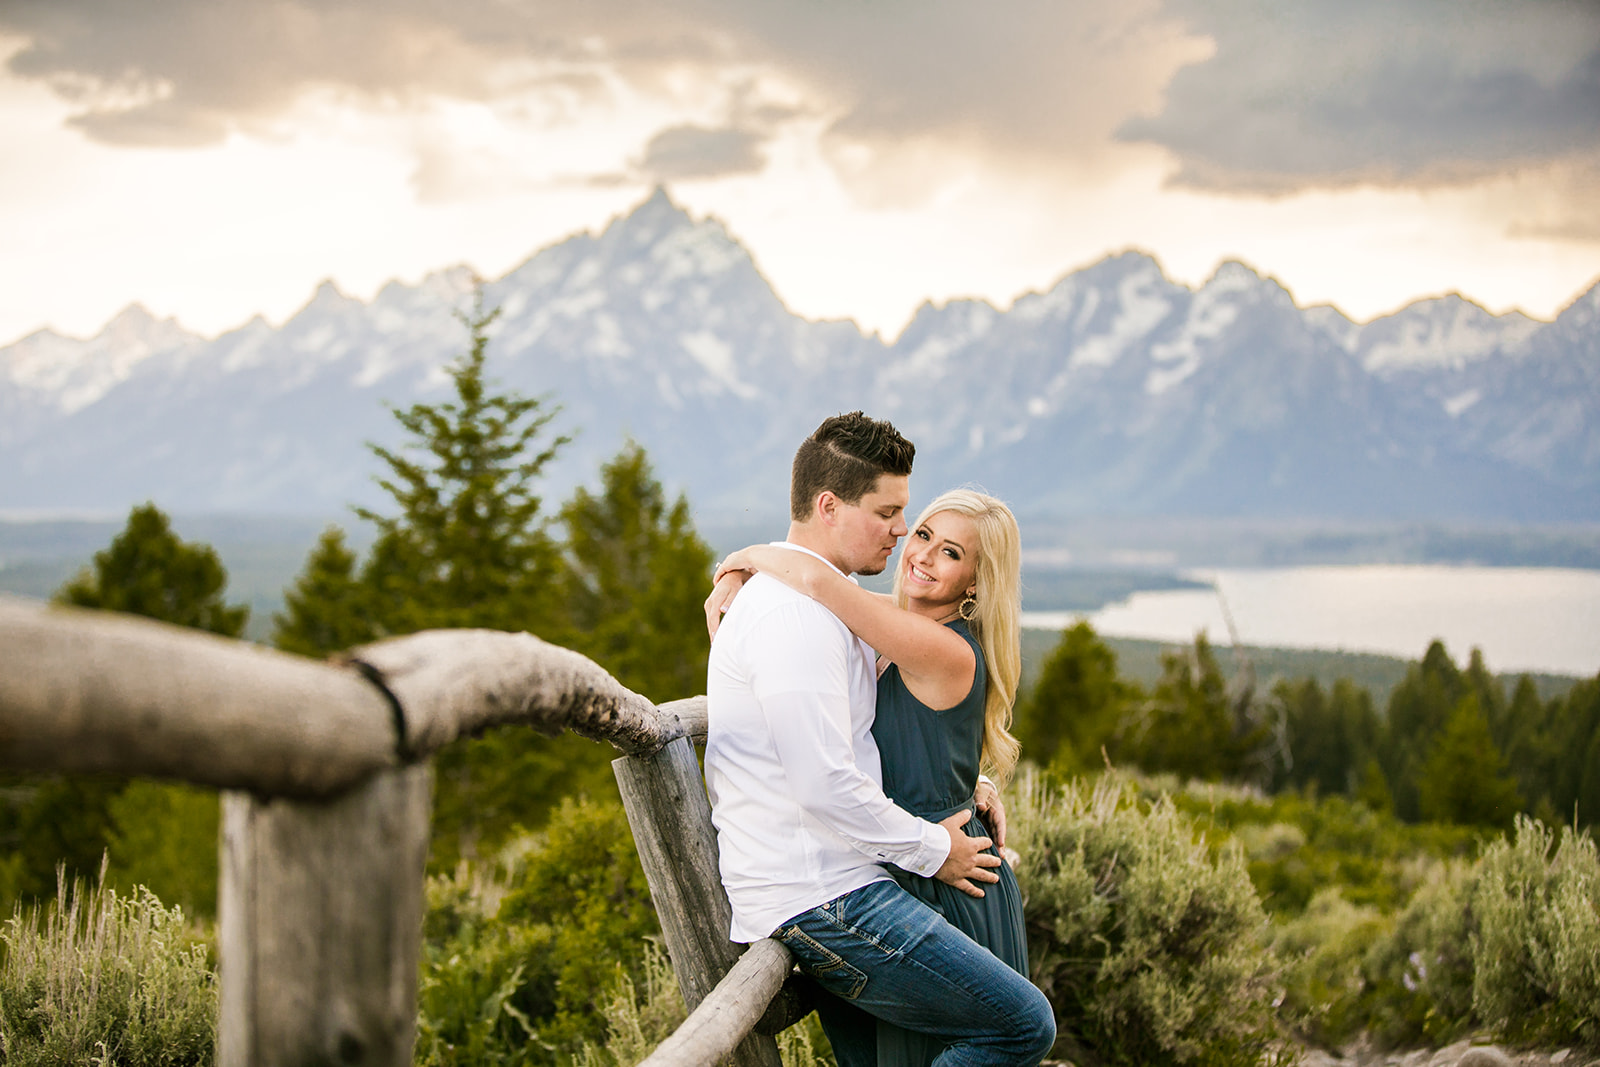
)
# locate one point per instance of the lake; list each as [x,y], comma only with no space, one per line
[1523,618]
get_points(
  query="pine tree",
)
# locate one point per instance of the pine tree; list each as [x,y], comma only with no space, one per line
[468,546]
[1331,735]
[1420,708]
[1192,725]
[328,609]
[1575,778]
[636,576]
[1464,779]
[1077,706]
[148,571]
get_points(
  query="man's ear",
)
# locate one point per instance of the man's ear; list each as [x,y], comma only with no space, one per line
[826,507]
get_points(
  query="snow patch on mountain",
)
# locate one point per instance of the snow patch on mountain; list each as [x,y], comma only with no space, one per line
[70,375]
[1447,332]
[1141,307]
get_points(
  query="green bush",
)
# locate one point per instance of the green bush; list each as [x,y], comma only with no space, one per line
[517,958]
[102,978]
[1148,942]
[1418,980]
[1322,952]
[1537,944]
[1375,859]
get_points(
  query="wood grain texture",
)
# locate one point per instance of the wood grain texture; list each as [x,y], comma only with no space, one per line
[320,925]
[670,816]
[98,691]
[85,691]
[456,683]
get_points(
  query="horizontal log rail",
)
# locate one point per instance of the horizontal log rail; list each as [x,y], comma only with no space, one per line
[86,691]
[731,1010]
[325,821]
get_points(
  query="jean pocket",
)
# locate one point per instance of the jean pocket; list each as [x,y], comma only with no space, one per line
[830,970]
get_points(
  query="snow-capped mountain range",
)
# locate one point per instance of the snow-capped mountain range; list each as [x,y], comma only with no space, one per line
[1117,391]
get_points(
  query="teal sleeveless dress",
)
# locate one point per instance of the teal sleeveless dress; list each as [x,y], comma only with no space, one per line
[930,768]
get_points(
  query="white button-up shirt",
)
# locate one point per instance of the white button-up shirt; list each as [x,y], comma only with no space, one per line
[793,773]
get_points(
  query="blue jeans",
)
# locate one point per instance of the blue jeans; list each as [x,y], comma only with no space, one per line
[883,954]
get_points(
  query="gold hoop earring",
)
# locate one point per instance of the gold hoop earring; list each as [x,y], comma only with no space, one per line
[969,608]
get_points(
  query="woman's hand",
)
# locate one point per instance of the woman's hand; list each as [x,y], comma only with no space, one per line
[987,799]
[738,561]
[721,598]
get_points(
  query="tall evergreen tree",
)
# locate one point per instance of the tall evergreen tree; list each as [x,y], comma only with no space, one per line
[328,609]
[467,545]
[635,579]
[1077,706]
[1331,735]
[1192,725]
[1420,708]
[148,571]
[1464,778]
[1575,775]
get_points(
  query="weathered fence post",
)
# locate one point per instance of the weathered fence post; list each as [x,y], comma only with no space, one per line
[670,817]
[320,924]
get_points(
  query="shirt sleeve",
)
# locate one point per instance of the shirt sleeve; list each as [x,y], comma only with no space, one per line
[801,677]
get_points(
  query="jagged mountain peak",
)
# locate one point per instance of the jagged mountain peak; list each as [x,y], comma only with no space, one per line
[134,325]
[1447,331]
[1584,311]
[1117,387]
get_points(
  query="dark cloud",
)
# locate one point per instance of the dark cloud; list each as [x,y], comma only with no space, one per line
[1303,93]
[1037,76]
[688,152]
[184,72]
[1295,94]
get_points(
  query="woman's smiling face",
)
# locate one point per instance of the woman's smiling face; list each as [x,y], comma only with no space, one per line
[940,561]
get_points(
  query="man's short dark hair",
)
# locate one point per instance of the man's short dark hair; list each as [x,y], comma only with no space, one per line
[846,456]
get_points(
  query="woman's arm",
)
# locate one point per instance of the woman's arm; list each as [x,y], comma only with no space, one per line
[935,661]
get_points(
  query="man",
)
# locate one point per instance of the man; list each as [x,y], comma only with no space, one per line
[796,792]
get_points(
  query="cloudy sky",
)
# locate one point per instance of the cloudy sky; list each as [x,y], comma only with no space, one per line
[213,159]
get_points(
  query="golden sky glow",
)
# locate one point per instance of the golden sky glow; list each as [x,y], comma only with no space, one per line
[871,156]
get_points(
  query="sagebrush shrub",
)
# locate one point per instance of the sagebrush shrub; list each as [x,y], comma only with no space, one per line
[1148,942]
[1537,943]
[1419,978]
[1322,951]
[98,977]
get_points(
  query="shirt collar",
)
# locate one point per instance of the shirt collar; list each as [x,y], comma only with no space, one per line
[802,548]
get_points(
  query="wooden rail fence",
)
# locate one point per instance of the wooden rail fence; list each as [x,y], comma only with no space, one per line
[327,792]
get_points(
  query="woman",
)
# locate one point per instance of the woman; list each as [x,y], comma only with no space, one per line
[949,661]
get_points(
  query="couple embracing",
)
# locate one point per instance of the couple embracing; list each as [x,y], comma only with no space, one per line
[843,792]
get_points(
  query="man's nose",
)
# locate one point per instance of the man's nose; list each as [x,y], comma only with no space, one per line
[899,529]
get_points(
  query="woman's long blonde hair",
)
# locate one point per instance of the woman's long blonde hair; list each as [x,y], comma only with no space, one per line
[996,624]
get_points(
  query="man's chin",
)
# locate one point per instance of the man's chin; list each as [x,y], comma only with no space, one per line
[872,566]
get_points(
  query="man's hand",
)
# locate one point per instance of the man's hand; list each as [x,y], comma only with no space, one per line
[721,597]
[967,862]
[987,799]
